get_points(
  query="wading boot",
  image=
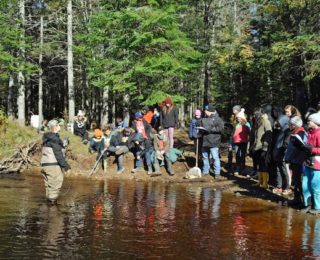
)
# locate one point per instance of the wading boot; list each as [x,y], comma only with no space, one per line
[265,180]
[260,182]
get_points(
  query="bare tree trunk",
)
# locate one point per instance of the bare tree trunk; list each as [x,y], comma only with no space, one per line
[105,106]
[70,64]
[10,97]
[40,101]
[21,80]
[126,114]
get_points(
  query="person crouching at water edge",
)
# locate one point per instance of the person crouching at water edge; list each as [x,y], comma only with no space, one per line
[53,162]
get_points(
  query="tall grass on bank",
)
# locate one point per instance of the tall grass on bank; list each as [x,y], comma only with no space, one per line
[15,135]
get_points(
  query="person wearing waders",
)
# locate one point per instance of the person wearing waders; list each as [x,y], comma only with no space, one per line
[53,162]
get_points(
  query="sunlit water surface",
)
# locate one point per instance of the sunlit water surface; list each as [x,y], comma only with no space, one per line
[130,220]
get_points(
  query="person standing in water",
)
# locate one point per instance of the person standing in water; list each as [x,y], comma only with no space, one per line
[53,162]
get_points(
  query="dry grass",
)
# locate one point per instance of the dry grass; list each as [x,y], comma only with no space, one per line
[14,136]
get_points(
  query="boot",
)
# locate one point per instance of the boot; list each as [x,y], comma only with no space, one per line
[260,182]
[104,165]
[265,180]
[156,168]
[169,168]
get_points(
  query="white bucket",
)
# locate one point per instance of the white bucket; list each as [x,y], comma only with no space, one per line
[35,121]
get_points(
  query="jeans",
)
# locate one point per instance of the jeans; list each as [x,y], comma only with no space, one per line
[214,152]
[147,156]
[170,132]
[282,174]
[241,150]
[311,186]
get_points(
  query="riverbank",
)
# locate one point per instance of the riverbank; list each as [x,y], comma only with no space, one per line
[81,162]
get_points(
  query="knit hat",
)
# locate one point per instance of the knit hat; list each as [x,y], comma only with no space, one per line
[168,100]
[241,114]
[126,131]
[296,121]
[197,112]
[146,108]
[81,113]
[97,133]
[210,108]
[52,123]
[138,114]
[315,118]
[236,108]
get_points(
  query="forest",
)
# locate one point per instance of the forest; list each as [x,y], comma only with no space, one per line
[109,57]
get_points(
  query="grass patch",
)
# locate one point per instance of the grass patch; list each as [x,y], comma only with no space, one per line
[14,136]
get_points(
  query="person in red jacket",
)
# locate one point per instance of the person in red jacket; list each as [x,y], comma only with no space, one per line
[241,136]
[311,172]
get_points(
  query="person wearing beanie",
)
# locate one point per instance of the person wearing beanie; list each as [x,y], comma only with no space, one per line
[95,140]
[53,162]
[295,156]
[169,119]
[211,129]
[143,130]
[311,171]
[240,138]
[236,109]
[231,146]
[80,126]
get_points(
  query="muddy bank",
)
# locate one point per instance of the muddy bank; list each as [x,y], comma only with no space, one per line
[82,161]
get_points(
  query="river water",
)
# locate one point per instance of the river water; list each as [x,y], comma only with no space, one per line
[138,220]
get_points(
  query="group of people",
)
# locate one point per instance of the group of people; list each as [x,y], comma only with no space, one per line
[279,142]
[149,138]
[276,138]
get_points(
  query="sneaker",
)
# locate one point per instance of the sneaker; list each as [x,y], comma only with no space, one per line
[137,169]
[218,177]
[287,192]
[204,174]
[236,173]
[91,151]
[314,211]
[277,191]
[305,209]
[85,141]
[120,171]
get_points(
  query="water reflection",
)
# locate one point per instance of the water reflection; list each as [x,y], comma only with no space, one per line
[311,236]
[150,220]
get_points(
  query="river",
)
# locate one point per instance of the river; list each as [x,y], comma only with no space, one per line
[138,220]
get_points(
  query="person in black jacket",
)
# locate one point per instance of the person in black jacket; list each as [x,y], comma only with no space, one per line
[169,119]
[53,162]
[120,144]
[211,130]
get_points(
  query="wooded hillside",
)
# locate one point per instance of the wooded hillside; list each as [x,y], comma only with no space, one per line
[110,56]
